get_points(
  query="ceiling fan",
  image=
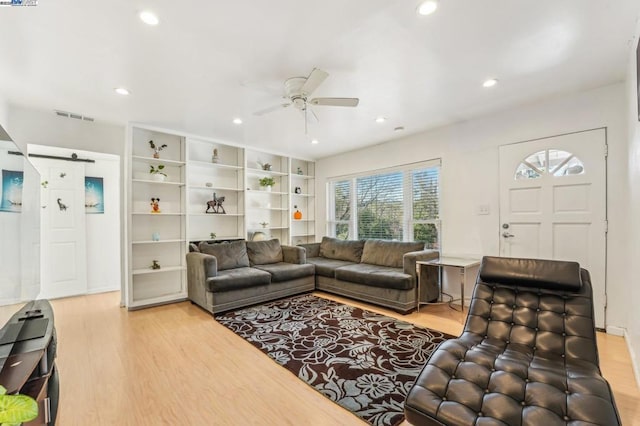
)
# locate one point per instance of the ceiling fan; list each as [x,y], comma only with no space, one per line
[297,91]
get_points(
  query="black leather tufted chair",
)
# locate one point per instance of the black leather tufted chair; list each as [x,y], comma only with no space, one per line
[527,355]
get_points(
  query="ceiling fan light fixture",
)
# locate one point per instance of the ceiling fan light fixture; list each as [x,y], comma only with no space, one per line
[490,82]
[427,7]
[149,18]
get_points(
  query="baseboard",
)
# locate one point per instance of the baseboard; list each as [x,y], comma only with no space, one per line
[634,358]
[615,331]
[103,289]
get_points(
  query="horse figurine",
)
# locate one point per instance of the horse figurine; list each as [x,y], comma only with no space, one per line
[215,205]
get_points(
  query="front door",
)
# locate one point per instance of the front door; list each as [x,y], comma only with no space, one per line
[64,263]
[553,203]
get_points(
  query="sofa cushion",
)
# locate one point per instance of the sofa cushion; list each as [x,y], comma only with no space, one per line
[230,255]
[376,276]
[283,271]
[238,278]
[388,253]
[349,250]
[264,252]
[327,267]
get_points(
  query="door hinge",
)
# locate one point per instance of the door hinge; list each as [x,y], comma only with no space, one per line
[606,226]
[606,150]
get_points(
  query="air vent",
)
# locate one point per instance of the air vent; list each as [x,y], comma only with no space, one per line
[73,115]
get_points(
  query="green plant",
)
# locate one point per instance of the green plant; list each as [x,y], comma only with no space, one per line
[267,181]
[213,235]
[157,171]
[16,409]
[44,184]
[157,148]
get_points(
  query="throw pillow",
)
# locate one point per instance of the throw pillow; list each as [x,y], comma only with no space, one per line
[348,250]
[264,252]
[388,253]
[230,255]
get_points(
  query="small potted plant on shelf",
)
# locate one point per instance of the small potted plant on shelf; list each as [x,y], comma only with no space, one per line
[156,173]
[157,148]
[267,183]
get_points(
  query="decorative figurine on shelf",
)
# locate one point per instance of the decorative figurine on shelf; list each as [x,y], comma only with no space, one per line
[264,224]
[208,184]
[155,236]
[216,205]
[265,166]
[215,158]
[297,215]
[297,190]
[299,171]
[155,205]
[157,148]
[213,235]
[155,265]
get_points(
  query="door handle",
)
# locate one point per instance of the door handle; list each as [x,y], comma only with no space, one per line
[507,235]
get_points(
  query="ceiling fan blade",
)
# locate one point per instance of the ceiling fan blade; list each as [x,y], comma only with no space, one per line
[271,109]
[314,80]
[344,102]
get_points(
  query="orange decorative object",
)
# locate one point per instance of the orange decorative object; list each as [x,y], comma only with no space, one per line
[297,214]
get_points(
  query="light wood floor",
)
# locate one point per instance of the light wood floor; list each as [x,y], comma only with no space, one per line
[174,365]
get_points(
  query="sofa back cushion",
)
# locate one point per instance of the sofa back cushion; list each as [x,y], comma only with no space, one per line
[230,255]
[388,253]
[349,250]
[264,252]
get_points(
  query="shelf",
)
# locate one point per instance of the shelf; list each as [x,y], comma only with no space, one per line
[266,192]
[156,214]
[302,235]
[217,214]
[214,165]
[152,160]
[306,177]
[264,172]
[302,220]
[158,242]
[217,188]
[157,182]
[208,238]
[158,271]
[268,228]
[302,195]
[278,209]
[169,298]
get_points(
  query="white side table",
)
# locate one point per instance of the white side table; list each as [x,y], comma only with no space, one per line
[461,263]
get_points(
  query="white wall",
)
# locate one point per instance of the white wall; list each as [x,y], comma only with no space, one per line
[469,152]
[633,294]
[4,111]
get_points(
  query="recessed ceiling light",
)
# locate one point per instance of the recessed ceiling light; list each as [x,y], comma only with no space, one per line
[381,119]
[149,18]
[427,7]
[237,121]
[314,141]
[490,83]
[121,91]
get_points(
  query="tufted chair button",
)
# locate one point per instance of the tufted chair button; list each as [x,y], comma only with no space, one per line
[487,390]
[508,341]
[536,329]
[491,301]
[453,376]
[444,398]
[523,403]
[534,348]
[568,392]
[486,336]
[512,324]
[566,418]
[514,306]
[564,314]
[493,370]
[489,319]
[494,287]
[480,414]
[562,355]
[527,380]
[538,310]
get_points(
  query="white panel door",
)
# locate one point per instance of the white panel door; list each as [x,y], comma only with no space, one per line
[553,203]
[64,263]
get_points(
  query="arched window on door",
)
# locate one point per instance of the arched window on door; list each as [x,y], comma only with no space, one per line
[552,162]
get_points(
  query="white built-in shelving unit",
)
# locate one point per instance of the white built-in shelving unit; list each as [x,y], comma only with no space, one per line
[194,176]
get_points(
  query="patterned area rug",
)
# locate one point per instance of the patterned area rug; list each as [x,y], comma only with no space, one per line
[364,361]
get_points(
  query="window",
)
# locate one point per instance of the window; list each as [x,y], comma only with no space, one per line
[399,204]
[553,162]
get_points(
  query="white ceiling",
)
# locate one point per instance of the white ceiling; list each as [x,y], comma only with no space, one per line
[212,60]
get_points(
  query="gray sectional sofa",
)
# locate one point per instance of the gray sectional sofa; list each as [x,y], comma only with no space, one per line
[375,271]
[224,276]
